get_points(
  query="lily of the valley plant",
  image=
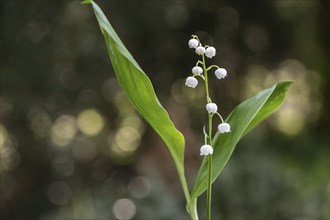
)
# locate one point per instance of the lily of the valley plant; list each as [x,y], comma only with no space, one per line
[202,70]
[219,143]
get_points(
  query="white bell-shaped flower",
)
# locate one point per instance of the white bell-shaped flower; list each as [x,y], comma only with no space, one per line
[211,107]
[210,52]
[221,73]
[197,70]
[191,82]
[206,150]
[200,50]
[224,128]
[193,43]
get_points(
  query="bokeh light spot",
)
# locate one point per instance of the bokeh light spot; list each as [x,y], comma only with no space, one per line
[90,122]
[139,187]
[127,140]
[256,39]
[6,106]
[63,130]
[110,89]
[84,150]
[295,117]
[124,209]
[123,104]
[134,121]
[302,105]
[59,193]
[176,15]
[3,135]
[227,22]
[63,165]
[10,158]
[70,79]
[183,94]
[41,124]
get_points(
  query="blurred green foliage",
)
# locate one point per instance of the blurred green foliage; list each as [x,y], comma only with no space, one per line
[72,146]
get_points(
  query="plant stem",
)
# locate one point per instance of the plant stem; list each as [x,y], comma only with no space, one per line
[192,209]
[209,185]
[191,204]
[206,80]
[209,179]
[184,185]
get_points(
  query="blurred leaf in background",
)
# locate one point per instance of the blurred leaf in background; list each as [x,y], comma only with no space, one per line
[72,146]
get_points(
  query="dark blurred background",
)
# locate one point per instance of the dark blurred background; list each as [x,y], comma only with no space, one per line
[72,146]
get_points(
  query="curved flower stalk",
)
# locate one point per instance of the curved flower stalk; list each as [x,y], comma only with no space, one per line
[212,108]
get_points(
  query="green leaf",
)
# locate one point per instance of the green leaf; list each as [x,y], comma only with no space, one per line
[86,2]
[243,119]
[138,88]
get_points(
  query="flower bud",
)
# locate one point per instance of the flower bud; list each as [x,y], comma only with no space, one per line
[224,128]
[191,82]
[193,43]
[221,73]
[206,150]
[197,70]
[210,52]
[211,107]
[200,50]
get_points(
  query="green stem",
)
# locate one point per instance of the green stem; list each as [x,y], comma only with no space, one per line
[209,185]
[191,205]
[184,185]
[206,80]
[209,180]
[192,209]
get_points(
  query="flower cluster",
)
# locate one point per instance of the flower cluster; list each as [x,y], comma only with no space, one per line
[209,52]
[200,70]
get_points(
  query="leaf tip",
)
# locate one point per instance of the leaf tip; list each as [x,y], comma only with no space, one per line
[287,82]
[86,2]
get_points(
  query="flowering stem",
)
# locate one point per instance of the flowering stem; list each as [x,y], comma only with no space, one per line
[212,109]
[209,179]
[206,80]
[209,185]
